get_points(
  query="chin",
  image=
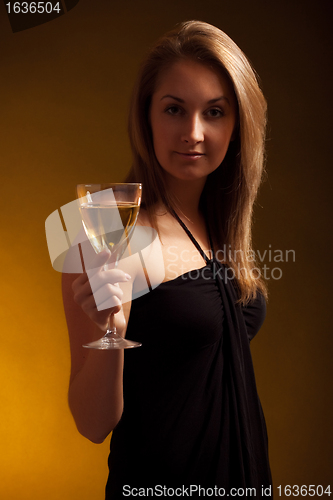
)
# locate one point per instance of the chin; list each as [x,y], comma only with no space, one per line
[189,175]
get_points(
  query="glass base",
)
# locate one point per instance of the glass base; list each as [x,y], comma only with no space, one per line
[112,342]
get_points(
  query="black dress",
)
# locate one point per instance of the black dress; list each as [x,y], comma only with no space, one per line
[191,415]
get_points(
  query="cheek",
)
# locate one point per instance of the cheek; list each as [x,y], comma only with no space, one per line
[157,139]
[221,143]
[159,144]
[220,148]
[162,138]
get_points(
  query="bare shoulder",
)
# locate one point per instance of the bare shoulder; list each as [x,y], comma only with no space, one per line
[146,254]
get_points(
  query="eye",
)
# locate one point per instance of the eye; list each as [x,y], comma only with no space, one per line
[215,113]
[173,110]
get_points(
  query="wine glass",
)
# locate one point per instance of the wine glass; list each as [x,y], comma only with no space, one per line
[109,213]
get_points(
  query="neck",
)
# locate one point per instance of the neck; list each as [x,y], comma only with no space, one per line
[187,195]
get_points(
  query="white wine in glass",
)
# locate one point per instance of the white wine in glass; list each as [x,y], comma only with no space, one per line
[109,213]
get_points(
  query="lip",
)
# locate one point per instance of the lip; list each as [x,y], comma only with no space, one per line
[191,155]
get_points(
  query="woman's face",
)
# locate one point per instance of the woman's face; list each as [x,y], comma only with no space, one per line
[193,115]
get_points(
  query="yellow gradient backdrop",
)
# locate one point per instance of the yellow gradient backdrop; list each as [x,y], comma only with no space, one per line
[65,87]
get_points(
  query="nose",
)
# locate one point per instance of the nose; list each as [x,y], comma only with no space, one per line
[193,130]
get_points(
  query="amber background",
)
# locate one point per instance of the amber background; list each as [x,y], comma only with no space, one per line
[65,87]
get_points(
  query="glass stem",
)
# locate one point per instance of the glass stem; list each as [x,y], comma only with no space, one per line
[111,329]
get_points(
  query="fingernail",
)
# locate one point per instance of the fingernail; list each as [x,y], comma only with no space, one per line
[127,276]
[105,250]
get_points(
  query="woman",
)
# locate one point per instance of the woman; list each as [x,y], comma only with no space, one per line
[184,406]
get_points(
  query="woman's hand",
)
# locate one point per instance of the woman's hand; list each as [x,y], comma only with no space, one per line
[97,291]
[96,384]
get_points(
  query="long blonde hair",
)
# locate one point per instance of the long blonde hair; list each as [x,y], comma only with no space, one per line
[230,191]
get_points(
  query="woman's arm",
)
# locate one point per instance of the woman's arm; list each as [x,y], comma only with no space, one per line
[96,388]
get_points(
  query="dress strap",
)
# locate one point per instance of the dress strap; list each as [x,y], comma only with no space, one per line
[194,241]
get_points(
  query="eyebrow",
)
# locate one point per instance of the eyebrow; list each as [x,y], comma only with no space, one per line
[211,101]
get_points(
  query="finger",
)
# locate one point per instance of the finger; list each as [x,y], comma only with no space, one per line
[103,290]
[88,305]
[98,317]
[112,303]
[99,312]
[111,293]
[79,282]
[98,262]
[82,292]
[102,278]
